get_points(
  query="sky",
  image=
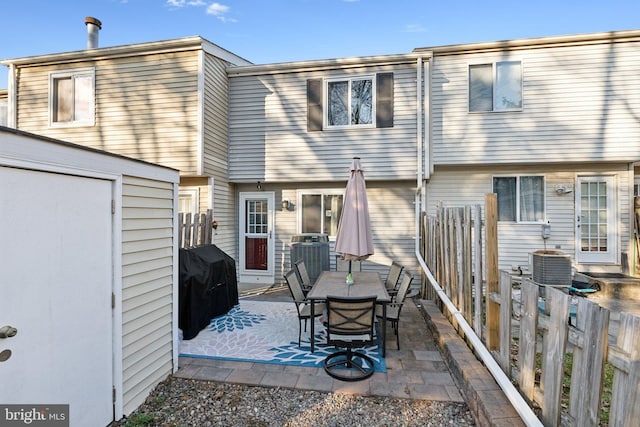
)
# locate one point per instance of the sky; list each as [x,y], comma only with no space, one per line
[270,31]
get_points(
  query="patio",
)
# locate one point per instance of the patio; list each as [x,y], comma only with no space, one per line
[417,371]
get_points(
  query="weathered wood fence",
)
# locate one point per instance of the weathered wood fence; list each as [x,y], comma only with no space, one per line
[195,230]
[533,333]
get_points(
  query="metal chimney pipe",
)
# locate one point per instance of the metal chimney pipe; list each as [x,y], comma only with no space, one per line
[93,27]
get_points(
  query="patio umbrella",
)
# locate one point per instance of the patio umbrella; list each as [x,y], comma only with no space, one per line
[353,239]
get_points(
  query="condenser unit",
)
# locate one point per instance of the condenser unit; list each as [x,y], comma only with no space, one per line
[551,267]
[313,249]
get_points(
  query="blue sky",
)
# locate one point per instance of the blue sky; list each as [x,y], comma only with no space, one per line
[266,31]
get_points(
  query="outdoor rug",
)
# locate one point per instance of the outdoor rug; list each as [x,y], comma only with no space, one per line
[265,332]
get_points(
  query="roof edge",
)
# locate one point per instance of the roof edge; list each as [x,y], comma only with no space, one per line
[185,43]
[572,39]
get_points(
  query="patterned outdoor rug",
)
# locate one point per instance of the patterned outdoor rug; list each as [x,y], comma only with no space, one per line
[265,332]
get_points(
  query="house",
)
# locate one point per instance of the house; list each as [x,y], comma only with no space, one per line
[293,130]
[163,102]
[89,276]
[548,124]
[552,125]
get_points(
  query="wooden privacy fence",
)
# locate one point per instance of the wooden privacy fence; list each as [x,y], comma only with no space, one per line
[195,230]
[531,337]
[549,332]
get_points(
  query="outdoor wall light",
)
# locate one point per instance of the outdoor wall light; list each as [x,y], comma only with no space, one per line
[287,205]
[259,186]
[563,189]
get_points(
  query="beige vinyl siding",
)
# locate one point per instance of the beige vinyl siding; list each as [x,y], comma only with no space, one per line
[391,207]
[146,107]
[216,162]
[147,286]
[268,138]
[457,186]
[580,104]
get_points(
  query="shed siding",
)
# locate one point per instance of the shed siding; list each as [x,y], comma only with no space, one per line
[146,107]
[580,104]
[216,160]
[147,286]
[457,187]
[268,138]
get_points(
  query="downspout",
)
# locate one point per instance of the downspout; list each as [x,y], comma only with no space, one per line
[520,405]
[12,98]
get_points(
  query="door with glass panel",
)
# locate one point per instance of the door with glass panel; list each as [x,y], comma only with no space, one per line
[256,238]
[596,214]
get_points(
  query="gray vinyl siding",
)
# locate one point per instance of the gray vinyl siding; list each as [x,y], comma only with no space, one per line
[147,287]
[146,107]
[392,212]
[216,161]
[268,138]
[580,104]
[457,186]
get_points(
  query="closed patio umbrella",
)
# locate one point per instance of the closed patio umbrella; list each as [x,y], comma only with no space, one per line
[353,239]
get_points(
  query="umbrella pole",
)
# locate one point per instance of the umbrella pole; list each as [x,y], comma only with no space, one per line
[349,266]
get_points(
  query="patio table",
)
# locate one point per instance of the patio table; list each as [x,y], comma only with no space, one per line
[364,284]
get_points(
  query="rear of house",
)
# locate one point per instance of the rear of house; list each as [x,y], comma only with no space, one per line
[163,102]
[292,135]
[552,126]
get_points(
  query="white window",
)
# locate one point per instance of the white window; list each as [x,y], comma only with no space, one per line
[320,211]
[520,198]
[4,112]
[72,98]
[350,102]
[188,201]
[495,87]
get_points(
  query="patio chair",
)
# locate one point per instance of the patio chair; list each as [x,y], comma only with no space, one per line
[395,306]
[303,275]
[392,277]
[303,305]
[350,324]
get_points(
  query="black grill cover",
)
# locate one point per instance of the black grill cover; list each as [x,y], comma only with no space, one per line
[208,287]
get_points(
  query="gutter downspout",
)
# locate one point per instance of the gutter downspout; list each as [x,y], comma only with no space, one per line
[520,405]
[12,98]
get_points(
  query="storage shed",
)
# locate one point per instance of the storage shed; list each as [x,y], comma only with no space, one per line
[89,267]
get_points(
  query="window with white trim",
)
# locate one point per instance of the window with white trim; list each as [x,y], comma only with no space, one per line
[350,102]
[495,87]
[320,211]
[72,97]
[520,198]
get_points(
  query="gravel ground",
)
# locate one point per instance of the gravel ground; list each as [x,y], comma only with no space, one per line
[187,402]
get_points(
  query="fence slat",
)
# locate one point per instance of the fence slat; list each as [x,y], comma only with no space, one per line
[505,322]
[491,259]
[554,347]
[477,270]
[625,393]
[528,338]
[587,374]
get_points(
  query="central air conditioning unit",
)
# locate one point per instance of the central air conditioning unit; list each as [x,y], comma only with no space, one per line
[551,267]
[313,249]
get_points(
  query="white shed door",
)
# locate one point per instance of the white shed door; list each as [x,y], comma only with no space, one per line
[56,284]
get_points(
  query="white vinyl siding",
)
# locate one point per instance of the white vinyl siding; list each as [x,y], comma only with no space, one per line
[215,154]
[392,213]
[580,104]
[147,287]
[269,141]
[457,187]
[146,107]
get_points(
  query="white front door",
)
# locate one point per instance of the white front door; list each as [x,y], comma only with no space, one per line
[56,239]
[596,216]
[256,238]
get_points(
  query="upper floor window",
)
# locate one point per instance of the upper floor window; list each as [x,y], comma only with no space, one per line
[495,87]
[520,198]
[360,101]
[71,97]
[350,102]
[4,111]
[320,211]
